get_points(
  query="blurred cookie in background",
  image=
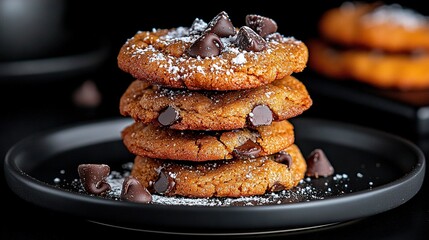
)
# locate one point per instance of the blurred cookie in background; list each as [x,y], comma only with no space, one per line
[371,60]
[401,71]
[383,45]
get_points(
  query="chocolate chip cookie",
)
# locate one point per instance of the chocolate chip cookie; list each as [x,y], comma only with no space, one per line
[383,70]
[151,141]
[211,104]
[382,45]
[214,55]
[234,178]
[388,27]
[215,110]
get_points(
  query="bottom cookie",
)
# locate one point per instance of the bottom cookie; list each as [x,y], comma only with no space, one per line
[224,178]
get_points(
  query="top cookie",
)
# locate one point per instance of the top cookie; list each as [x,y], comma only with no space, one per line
[374,25]
[214,55]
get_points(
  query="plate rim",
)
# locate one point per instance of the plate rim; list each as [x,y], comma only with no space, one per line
[15,175]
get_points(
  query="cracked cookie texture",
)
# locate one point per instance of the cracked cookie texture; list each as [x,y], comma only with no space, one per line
[163,143]
[382,45]
[232,178]
[161,57]
[214,110]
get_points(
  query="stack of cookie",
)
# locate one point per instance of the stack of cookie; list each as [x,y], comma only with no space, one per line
[211,104]
[386,46]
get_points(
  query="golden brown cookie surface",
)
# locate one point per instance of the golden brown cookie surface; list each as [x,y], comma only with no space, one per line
[163,143]
[233,178]
[383,70]
[202,57]
[221,110]
[388,27]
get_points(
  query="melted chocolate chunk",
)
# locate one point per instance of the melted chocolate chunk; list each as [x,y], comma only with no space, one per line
[168,116]
[249,149]
[284,158]
[93,178]
[249,40]
[318,164]
[208,45]
[261,115]
[164,184]
[221,25]
[261,25]
[133,191]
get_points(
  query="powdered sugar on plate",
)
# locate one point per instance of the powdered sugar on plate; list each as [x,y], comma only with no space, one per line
[309,189]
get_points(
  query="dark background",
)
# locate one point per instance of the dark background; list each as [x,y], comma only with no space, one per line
[43,101]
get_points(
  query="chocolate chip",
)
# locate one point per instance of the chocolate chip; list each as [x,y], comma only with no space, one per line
[208,45]
[284,158]
[277,187]
[221,25]
[168,116]
[133,191]
[318,164]
[274,37]
[93,178]
[249,149]
[260,115]
[261,25]
[249,40]
[164,184]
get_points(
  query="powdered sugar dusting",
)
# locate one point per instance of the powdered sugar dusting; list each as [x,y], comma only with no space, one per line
[309,189]
[184,66]
[396,14]
[180,33]
[239,59]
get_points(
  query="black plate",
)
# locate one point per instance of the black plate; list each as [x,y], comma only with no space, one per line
[375,172]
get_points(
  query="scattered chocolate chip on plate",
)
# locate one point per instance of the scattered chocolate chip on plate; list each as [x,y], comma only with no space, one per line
[370,167]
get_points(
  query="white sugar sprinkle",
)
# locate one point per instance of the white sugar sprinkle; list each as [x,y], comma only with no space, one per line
[307,190]
[239,59]
[268,94]
[189,35]
[396,14]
